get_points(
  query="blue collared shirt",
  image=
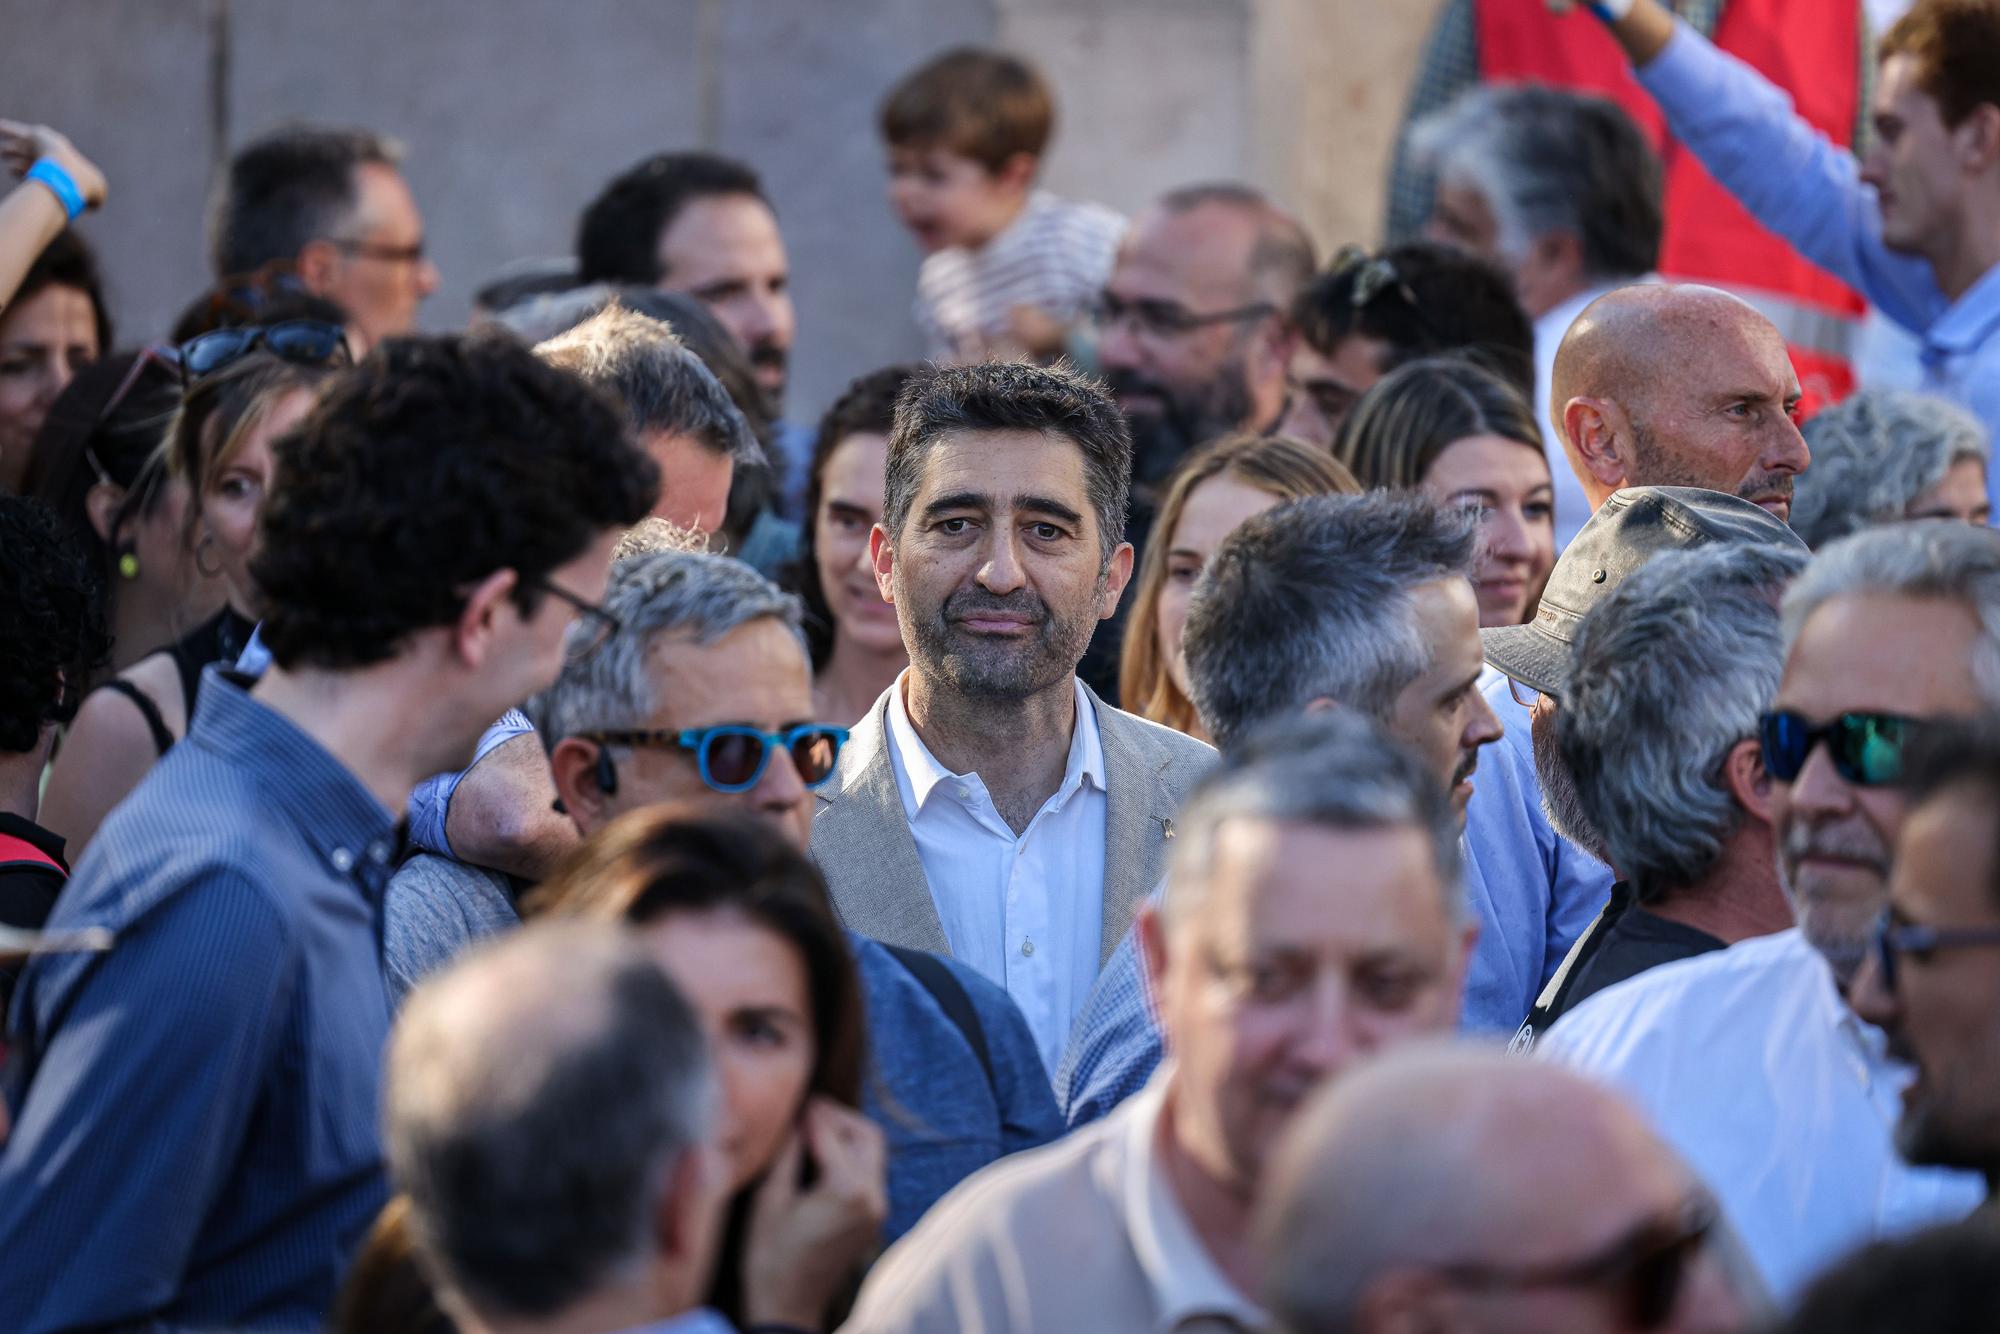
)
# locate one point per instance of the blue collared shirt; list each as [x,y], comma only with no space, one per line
[1810,192]
[195,1142]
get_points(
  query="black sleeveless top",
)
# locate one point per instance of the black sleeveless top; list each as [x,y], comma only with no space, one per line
[221,638]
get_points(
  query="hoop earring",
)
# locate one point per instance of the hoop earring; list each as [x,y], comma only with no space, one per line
[208,540]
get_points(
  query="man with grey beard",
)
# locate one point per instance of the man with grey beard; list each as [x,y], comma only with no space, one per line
[1750,1060]
[991,806]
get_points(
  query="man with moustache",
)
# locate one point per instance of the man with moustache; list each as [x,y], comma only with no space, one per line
[991,806]
[1932,981]
[1273,977]
[1750,1060]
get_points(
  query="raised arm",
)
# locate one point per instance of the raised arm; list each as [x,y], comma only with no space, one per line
[32,214]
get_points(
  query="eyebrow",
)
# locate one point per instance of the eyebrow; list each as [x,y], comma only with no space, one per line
[847,506]
[975,500]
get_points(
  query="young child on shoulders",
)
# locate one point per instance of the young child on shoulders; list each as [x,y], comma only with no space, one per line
[1008,268]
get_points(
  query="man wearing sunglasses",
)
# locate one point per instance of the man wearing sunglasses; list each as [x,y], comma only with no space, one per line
[1446,1186]
[692,684]
[1932,980]
[1751,1060]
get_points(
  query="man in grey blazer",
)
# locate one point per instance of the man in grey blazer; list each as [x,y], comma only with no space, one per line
[990,806]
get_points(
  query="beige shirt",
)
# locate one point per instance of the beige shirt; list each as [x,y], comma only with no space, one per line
[1082,1234]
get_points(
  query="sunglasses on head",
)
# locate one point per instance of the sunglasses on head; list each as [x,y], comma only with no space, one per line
[1867,749]
[304,342]
[732,757]
[1644,1271]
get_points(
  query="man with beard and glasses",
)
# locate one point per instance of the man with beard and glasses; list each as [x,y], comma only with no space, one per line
[1932,982]
[1751,1060]
[1358,604]
[991,806]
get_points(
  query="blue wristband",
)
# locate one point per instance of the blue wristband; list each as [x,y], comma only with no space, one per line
[50,173]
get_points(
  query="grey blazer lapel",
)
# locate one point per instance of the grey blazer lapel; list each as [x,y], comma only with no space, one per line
[862,843]
[1138,819]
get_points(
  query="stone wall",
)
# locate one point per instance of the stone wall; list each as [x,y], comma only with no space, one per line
[515,111]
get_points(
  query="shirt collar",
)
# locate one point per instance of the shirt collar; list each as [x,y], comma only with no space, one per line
[337,816]
[1086,748]
[1185,1279]
[1970,320]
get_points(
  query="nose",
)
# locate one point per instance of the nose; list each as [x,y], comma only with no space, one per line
[1788,452]
[428,278]
[1328,1037]
[1001,571]
[1870,996]
[1484,726]
[1116,347]
[780,789]
[1507,534]
[1709,1302]
[1818,791]
[1304,421]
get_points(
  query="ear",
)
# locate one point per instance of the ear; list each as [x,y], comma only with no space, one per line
[573,763]
[100,505]
[1115,580]
[686,1216]
[319,265]
[1322,705]
[1152,931]
[1017,173]
[472,636]
[1749,781]
[882,554]
[1979,137]
[1597,431]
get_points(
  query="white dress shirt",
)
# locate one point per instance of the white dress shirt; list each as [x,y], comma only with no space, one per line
[1026,911]
[1083,1234]
[1777,1094]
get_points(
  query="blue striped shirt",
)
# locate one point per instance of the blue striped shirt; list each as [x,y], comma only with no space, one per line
[195,1139]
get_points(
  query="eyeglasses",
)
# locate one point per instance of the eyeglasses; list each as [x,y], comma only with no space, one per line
[1892,940]
[1372,277]
[732,757]
[1645,1271]
[388,254]
[1866,748]
[153,354]
[598,625]
[303,342]
[1524,694]
[1164,319]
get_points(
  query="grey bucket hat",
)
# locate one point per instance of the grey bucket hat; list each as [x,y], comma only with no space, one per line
[1630,528]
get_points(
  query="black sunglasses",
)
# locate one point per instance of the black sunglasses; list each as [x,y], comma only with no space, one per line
[1893,940]
[304,342]
[1867,749]
[1645,1270]
[733,756]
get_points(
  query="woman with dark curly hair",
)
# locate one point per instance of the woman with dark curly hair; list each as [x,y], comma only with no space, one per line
[220,447]
[54,640]
[857,646]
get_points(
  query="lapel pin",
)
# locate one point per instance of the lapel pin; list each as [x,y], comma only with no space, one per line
[1166,828]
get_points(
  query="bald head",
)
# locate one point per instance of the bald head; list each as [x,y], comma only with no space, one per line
[538,1096]
[1449,1154]
[1663,384]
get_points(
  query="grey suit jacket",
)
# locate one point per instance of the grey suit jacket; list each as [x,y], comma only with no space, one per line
[862,842]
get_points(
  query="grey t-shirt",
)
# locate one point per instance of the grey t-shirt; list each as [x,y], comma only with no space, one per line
[433,908]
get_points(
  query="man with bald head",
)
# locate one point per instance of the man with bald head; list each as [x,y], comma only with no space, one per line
[549,1112]
[1450,1186]
[1678,385]
[1192,329]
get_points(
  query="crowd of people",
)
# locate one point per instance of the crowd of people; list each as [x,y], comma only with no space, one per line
[1452,788]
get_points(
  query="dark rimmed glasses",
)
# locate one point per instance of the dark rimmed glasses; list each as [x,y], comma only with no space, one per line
[1867,749]
[597,624]
[1645,1271]
[1164,319]
[1893,939]
[303,342]
[732,757]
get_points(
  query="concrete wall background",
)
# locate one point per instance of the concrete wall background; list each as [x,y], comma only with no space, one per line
[516,111]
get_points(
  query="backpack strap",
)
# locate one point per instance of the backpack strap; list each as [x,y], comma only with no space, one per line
[16,852]
[951,996]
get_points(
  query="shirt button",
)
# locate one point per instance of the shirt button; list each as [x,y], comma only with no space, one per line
[378,852]
[965,794]
[1027,947]
[343,860]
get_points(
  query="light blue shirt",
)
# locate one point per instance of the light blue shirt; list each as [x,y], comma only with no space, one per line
[1810,192]
[1532,890]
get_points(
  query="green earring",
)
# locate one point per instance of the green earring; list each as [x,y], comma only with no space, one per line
[128,563]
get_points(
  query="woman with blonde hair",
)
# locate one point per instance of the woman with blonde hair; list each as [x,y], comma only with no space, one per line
[1215,488]
[1450,428]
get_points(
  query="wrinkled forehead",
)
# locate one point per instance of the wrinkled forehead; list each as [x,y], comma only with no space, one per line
[1277,882]
[1874,651]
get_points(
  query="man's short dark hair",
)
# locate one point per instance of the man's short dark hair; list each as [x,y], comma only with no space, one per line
[288,188]
[1938,1281]
[618,237]
[426,468]
[1009,396]
[662,383]
[1429,299]
[53,611]
[1312,601]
